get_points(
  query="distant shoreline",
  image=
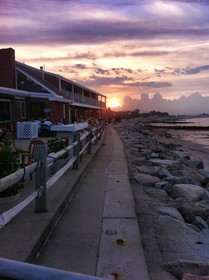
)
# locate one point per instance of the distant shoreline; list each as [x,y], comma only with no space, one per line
[184,127]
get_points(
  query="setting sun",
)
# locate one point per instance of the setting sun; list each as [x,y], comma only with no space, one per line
[113,103]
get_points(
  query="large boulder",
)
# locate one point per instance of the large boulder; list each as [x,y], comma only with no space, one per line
[158,194]
[177,180]
[189,276]
[188,270]
[169,211]
[146,179]
[190,210]
[165,162]
[141,161]
[166,186]
[177,242]
[188,191]
[151,170]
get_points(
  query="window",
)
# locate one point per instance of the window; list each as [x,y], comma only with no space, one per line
[21,106]
[5,110]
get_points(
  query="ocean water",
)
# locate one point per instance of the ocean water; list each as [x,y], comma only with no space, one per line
[196,136]
[185,122]
[198,122]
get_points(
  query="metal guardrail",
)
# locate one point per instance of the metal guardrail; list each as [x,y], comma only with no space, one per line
[39,167]
[10,269]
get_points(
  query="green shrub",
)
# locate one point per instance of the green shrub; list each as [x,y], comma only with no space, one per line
[56,144]
[9,163]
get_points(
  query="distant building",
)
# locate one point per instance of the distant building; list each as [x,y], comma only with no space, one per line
[28,93]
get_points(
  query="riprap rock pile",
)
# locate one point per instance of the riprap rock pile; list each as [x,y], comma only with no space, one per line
[177,189]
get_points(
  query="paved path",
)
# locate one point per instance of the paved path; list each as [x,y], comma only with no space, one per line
[98,232]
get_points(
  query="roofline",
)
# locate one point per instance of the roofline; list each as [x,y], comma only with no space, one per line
[60,77]
[33,79]
[22,93]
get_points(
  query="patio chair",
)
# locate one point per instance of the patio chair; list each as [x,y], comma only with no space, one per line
[28,156]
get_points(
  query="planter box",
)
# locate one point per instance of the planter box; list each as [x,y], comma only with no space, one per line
[69,127]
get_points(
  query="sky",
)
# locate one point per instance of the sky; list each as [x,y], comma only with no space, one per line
[120,48]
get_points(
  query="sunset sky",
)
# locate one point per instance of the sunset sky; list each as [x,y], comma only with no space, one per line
[117,47]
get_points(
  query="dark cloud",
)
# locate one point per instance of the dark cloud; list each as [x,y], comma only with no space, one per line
[42,22]
[102,71]
[185,71]
[196,70]
[96,31]
[98,81]
[80,66]
[191,1]
[151,84]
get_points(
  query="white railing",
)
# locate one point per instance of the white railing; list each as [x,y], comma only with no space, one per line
[43,161]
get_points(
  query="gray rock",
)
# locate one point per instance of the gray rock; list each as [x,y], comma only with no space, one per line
[177,173]
[163,172]
[206,173]
[166,186]
[177,241]
[205,195]
[178,180]
[165,162]
[169,211]
[182,267]
[205,232]
[188,191]
[157,193]
[141,161]
[193,227]
[192,209]
[200,223]
[146,179]
[199,164]
[153,155]
[145,152]
[151,170]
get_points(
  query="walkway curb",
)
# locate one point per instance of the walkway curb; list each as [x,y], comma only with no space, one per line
[121,253]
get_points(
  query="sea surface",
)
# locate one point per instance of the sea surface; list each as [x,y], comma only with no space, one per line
[204,122]
[200,136]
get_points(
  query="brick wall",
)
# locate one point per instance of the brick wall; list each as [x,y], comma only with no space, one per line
[7,68]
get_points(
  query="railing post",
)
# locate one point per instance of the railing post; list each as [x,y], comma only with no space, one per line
[40,177]
[89,137]
[76,149]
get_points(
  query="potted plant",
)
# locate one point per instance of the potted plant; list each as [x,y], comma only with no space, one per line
[9,163]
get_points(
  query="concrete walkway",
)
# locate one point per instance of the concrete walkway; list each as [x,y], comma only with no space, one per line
[97,233]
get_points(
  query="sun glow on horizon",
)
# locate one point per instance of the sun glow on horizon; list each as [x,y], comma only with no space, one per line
[113,103]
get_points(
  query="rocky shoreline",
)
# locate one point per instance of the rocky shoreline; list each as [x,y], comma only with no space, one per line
[171,192]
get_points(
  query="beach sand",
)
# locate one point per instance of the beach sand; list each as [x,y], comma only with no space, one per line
[195,143]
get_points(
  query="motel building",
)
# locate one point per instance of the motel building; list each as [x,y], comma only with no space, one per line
[27,93]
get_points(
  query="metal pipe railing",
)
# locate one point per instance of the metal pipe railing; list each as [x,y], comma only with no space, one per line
[16,270]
